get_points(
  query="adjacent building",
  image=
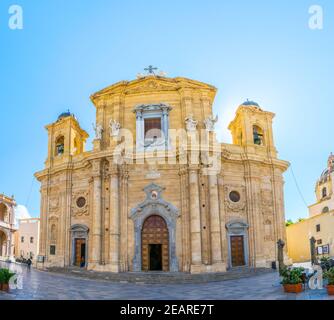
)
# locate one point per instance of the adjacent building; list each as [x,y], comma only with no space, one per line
[320,223]
[7,227]
[27,238]
[158,192]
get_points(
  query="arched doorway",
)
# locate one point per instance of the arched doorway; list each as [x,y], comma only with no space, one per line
[3,244]
[237,233]
[79,245]
[155,244]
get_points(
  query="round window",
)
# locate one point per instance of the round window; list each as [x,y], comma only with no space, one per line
[81,202]
[325,210]
[235,196]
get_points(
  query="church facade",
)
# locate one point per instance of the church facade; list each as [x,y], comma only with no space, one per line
[158,192]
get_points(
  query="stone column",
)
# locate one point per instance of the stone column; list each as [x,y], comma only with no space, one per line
[186,257]
[216,253]
[222,215]
[195,220]
[114,227]
[97,214]
[165,125]
[139,129]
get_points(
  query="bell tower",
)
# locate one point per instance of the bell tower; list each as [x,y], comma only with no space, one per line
[252,129]
[66,139]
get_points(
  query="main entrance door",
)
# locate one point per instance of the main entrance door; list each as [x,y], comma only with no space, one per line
[237,251]
[80,252]
[155,244]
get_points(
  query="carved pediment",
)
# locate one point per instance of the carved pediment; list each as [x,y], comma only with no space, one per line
[154,201]
[150,84]
[154,83]
[152,107]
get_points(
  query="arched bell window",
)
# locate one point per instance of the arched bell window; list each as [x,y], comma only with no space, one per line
[3,213]
[258,136]
[324,192]
[60,146]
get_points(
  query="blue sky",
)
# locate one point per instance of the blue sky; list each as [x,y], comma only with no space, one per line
[261,50]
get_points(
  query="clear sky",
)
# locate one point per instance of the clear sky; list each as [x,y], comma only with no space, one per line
[261,50]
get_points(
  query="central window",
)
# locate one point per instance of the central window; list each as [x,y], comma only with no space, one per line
[152,126]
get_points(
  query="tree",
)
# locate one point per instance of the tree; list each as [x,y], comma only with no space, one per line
[289,223]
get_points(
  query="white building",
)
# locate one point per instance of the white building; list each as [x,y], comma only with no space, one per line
[27,238]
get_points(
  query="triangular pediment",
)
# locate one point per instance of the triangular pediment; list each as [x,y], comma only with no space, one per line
[153,84]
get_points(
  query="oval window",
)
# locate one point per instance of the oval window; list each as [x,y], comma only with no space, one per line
[81,202]
[235,196]
[325,210]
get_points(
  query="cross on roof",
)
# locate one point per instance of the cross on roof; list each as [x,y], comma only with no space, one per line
[150,69]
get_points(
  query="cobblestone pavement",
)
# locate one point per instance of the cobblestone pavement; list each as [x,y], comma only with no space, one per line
[38,285]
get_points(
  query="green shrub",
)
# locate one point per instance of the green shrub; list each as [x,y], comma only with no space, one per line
[329,275]
[325,263]
[5,276]
[292,275]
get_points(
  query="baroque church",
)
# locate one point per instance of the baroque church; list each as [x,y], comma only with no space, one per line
[158,192]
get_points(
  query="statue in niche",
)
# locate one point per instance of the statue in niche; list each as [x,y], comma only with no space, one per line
[210,123]
[114,128]
[98,131]
[191,124]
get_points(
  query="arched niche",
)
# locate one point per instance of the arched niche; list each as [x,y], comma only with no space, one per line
[79,232]
[237,229]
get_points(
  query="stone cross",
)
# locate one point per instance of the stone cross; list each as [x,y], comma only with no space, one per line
[280,255]
[150,69]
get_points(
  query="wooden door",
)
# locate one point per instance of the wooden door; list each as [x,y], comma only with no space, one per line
[237,251]
[155,232]
[80,252]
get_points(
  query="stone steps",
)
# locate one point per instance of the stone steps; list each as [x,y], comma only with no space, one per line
[159,277]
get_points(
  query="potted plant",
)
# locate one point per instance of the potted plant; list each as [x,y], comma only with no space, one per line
[325,263]
[292,279]
[5,276]
[329,275]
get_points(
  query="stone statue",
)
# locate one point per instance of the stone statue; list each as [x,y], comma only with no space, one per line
[280,254]
[98,131]
[191,124]
[114,128]
[316,281]
[313,251]
[210,123]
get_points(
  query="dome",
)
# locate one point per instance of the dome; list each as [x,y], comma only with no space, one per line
[250,103]
[330,168]
[65,115]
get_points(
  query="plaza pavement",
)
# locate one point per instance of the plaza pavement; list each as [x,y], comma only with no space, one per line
[41,285]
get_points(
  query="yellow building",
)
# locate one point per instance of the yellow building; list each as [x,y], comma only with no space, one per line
[158,192]
[320,223]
